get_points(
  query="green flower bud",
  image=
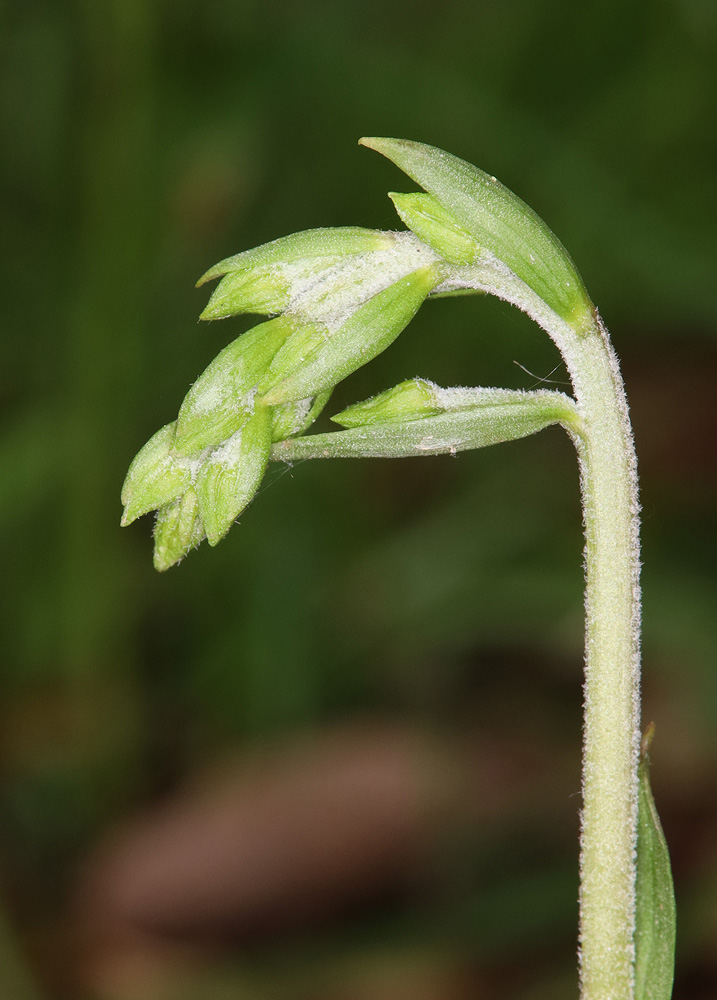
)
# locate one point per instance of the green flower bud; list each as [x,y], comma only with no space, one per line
[499,221]
[432,224]
[467,419]
[220,400]
[291,419]
[265,292]
[294,353]
[264,279]
[178,529]
[407,401]
[367,331]
[155,477]
[311,243]
[231,475]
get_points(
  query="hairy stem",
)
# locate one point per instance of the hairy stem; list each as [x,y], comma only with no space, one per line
[612,669]
[600,427]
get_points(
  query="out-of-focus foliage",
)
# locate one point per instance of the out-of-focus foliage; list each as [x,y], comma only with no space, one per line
[143,140]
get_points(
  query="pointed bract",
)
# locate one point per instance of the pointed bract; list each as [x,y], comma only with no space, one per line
[497,220]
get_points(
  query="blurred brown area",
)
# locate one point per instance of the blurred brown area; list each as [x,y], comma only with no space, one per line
[299,837]
[336,757]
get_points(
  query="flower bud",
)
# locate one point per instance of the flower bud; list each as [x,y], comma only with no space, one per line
[264,279]
[498,221]
[178,529]
[155,477]
[264,291]
[467,419]
[290,419]
[407,401]
[297,349]
[367,331]
[220,401]
[231,475]
[434,225]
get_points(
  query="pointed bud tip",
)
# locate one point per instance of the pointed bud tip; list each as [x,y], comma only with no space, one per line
[214,272]
[162,563]
[214,310]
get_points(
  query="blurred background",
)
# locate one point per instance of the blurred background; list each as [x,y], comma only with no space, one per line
[338,756]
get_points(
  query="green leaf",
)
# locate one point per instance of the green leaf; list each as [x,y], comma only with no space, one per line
[291,419]
[178,529]
[364,335]
[231,475]
[220,400]
[497,220]
[500,415]
[655,920]
[155,477]
[432,223]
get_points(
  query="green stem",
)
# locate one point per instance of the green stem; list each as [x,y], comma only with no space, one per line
[612,669]
[600,427]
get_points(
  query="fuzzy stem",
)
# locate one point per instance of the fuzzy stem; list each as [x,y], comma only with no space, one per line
[612,669]
[603,437]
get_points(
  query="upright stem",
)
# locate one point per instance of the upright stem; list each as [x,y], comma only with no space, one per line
[603,437]
[612,669]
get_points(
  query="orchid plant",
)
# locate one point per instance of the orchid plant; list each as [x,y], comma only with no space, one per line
[336,298]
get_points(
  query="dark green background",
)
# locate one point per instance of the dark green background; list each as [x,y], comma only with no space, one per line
[143,141]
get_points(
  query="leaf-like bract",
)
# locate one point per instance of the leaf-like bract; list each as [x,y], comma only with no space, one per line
[499,221]
[655,921]
[495,415]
